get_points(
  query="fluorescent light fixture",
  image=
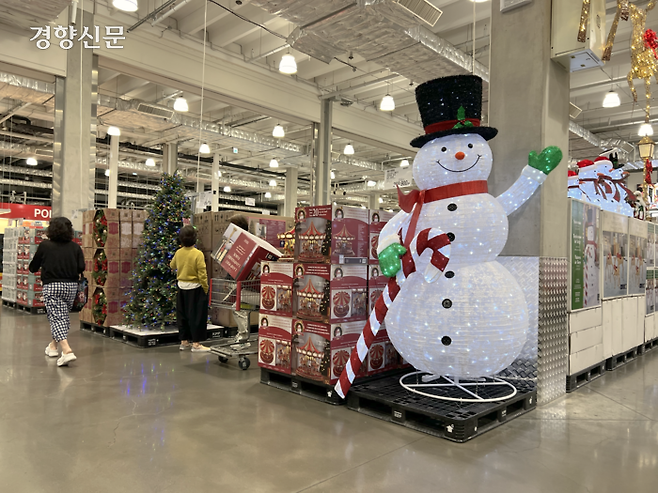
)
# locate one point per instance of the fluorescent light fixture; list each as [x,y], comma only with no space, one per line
[134,174]
[115,131]
[646,130]
[611,100]
[278,132]
[333,175]
[181,105]
[204,149]
[150,162]
[125,5]
[363,207]
[404,163]
[349,150]
[288,64]
[381,200]
[268,195]
[387,104]
[31,161]
[274,163]
[227,189]
[107,172]
[371,183]
[390,210]
[273,183]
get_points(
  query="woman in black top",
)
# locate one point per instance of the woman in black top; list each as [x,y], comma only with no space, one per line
[61,262]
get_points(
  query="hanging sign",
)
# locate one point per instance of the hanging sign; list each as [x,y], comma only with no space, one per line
[249,201]
[401,177]
[24,211]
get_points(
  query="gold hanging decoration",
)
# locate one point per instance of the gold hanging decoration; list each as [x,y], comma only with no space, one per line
[584,17]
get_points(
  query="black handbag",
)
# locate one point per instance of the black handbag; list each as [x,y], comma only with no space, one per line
[81,296]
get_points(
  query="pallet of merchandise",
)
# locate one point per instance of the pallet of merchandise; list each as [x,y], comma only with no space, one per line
[585,376]
[621,359]
[34,310]
[301,386]
[648,346]
[7,303]
[95,328]
[457,421]
[147,338]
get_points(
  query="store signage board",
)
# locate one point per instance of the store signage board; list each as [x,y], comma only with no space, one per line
[398,177]
[250,201]
[614,254]
[24,211]
[583,253]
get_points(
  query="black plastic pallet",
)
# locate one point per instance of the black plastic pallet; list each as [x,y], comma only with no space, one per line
[584,377]
[34,310]
[386,399]
[9,304]
[145,341]
[621,359]
[648,346]
[302,386]
[97,329]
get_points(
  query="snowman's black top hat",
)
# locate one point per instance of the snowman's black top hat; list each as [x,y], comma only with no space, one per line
[451,105]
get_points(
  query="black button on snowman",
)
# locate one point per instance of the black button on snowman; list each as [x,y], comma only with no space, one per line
[472,321]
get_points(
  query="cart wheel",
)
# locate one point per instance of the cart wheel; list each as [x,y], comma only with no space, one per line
[244,363]
[222,359]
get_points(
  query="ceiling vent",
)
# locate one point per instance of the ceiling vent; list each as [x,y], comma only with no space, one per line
[574,111]
[422,9]
[155,110]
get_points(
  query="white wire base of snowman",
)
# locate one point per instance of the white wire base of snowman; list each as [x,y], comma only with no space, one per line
[424,382]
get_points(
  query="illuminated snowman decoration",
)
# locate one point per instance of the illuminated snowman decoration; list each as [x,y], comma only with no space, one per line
[473,320]
[573,188]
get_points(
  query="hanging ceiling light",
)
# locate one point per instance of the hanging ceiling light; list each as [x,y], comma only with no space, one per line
[333,175]
[274,163]
[273,183]
[371,183]
[125,5]
[181,104]
[288,64]
[31,161]
[387,104]
[611,100]
[219,173]
[268,195]
[227,189]
[646,130]
[115,131]
[349,150]
[150,162]
[107,172]
[381,200]
[278,132]
[204,149]
[404,163]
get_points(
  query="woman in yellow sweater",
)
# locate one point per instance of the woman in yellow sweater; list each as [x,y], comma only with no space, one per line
[192,300]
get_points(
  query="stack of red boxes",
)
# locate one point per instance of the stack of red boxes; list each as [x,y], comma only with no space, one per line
[29,288]
[110,241]
[330,291]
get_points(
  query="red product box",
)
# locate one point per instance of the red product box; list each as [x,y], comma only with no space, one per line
[330,293]
[331,234]
[32,236]
[382,355]
[22,266]
[241,253]
[276,288]
[274,343]
[321,351]
[376,284]
[378,219]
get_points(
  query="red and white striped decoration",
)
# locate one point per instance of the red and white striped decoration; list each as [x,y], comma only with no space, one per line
[433,239]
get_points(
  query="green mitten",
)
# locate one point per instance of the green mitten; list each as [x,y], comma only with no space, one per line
[389,259]
[547,161]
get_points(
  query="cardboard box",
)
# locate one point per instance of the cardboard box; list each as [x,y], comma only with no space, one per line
[140,216]
[266,227]
[584,339]
[138,229]
[378,219]
[332,234]
[224,317]
[125,274]
[30,235]
[109,271]
[126,241]
[276,280]
[585,358]
[376,284]
[274,343]
[88,219]
[107,312]
[127,254]
[332,293]
[382,355]
[321,351]
[585,319]
[241,253]
[125,215]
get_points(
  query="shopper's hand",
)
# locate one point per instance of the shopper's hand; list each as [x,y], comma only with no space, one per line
[389,259]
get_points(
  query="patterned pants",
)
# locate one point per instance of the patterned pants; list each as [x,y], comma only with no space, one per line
[59,297]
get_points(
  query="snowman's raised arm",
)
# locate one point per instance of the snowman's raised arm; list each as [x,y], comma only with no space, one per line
[532,176]
[389,233]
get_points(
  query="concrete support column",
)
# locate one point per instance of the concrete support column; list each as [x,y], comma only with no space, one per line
[170,158]
[215,183]
[323,162]
[529,105]
[114,172]
[290,200]
[74,149]
[373,201]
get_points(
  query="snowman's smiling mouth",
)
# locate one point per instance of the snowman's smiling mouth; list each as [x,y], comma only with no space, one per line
[459,170]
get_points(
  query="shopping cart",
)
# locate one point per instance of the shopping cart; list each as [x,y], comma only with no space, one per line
[242,298]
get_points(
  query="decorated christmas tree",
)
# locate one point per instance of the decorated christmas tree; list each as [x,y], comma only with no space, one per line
[153,299]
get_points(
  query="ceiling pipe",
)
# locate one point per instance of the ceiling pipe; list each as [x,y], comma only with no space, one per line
[175,8]
[151,15]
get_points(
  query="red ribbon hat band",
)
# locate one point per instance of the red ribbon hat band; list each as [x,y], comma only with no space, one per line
[449,125]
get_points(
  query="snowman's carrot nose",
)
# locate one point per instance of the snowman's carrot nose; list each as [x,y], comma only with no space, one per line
[460,155]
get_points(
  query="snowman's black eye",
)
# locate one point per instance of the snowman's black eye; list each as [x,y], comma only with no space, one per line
[470,146]
[443,149]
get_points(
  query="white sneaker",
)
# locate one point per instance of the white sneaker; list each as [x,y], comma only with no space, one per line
[66,359]
[183,347]
[200,349]
[51,352]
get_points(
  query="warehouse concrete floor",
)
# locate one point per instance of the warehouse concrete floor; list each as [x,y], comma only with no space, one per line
[158,420]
